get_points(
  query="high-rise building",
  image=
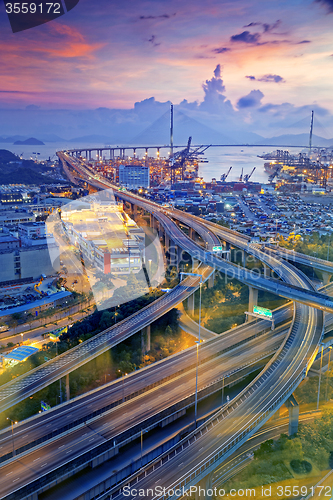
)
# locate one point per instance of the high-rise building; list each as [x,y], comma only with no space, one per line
[134,176]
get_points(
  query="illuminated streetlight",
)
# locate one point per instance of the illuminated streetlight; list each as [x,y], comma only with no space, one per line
[12,423]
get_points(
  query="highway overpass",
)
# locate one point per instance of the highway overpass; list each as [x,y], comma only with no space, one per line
[205,448]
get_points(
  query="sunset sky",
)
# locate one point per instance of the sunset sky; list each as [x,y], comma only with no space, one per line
[106,53]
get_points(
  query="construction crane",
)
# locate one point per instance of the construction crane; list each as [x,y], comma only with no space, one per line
[179,159]
[311,130]
[224,176]
[248,176]
[274,174]
[241,176]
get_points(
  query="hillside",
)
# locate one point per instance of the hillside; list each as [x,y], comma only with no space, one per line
[13,170]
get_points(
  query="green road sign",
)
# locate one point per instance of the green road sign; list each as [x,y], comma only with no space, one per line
[262,311]
[217,249]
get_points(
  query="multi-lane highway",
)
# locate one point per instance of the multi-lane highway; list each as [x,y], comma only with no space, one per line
[112,425]
[33,381]
[206,448]
[235,424]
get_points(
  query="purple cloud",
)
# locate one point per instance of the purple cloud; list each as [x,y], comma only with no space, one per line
[221,50]
[251,100]
[162,16]
[327,3]
[246,37]
[267,27]
[271,78]
[267,78]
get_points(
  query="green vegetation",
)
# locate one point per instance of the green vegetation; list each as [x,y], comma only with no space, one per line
[310,244]
[126,357]
[223,306]
[307,453]
[21,171]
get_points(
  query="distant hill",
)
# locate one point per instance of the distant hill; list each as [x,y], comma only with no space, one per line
[159,132]
[6,156]
[13,170]
[12,139]
[296,140]
[30,142]
[94,138]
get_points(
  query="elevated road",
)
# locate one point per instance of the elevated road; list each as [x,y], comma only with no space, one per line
[35,380]
[139,411]
[213,442]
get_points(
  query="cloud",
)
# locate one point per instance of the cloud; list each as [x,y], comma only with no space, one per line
[246,37]
[213,89]
[271,27]
[217,72]
[326,3]
[271,78]
[221,50]
[267,78]
[251,100]
[303,41]
[152,40]
[267,27]
[162,16]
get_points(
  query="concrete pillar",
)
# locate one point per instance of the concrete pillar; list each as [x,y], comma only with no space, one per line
[180,263]
[293,410]
[145,339]
[253,298]
[244,258]
[134,212]
[190,304]
[211,280]
[152,222]
[173,252]
[191,233]
[326,277]
[195,264]
[205,488]
[68,396]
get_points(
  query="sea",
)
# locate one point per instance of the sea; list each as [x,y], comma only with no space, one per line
[219,159]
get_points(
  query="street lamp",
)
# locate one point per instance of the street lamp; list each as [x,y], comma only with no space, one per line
[328,369]
[321,365]
[142,431]
[12,423]
[123,376]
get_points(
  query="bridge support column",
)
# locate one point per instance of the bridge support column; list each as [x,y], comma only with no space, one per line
[145,339]
[195,264]
[190,304]
[134,210]
[244,256]
[152,222]
[180,259]
[205,488]
[173,252]
[211,280]
[191,233]
[293,410]
[253,299]
[326,277]
[68,395]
